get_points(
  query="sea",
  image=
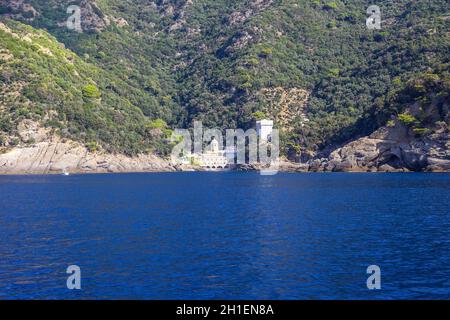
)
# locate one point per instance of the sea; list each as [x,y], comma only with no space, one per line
[229,235]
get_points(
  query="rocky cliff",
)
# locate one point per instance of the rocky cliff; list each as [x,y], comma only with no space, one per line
[378,152]
[47,153]
[390,150]
[58,157]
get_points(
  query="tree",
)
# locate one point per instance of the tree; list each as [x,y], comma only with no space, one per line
[407,119]
[91,91]
[259,115]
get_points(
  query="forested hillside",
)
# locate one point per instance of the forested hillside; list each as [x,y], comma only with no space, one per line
[313,66]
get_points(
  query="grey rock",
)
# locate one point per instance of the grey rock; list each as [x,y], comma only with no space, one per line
[389,150]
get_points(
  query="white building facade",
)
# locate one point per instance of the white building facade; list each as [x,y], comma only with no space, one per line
[214,158]
[264,129]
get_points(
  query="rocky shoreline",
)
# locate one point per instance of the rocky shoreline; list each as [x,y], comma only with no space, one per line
[60,157]
[50,154]
[389,149]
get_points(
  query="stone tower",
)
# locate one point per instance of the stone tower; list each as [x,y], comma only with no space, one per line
[264,129]
[214,146]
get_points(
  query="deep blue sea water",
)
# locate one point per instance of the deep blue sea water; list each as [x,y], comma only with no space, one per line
[225,236]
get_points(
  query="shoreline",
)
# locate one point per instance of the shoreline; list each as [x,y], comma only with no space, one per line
[175,171]
[382,151]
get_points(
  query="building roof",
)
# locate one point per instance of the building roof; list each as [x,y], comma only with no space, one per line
[265,122]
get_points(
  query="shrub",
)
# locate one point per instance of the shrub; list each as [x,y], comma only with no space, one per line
[2,140]
[266,52]
[397,81]
[53,123]
[259,115]
[420,132]
[91,91]
[406,119]
[157,124]
[14,142]
[330,6]
[391,123]
[253,61]
[245,86]
[167,133]
[334,72]
[431,79]
[92,146]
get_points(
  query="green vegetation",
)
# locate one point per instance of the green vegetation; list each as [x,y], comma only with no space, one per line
[259,115]
[175,62]
[2,141]
[92,146]
[157,124]
[330,6]
[91,91]
[390,123]
[420,132]
[407,119]
[51,88]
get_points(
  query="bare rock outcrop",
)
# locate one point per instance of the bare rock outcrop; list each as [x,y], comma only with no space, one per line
[254,7]
[390,150]
[57,157]
[93,19]
[286,105]
[46,153]
[19,9]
